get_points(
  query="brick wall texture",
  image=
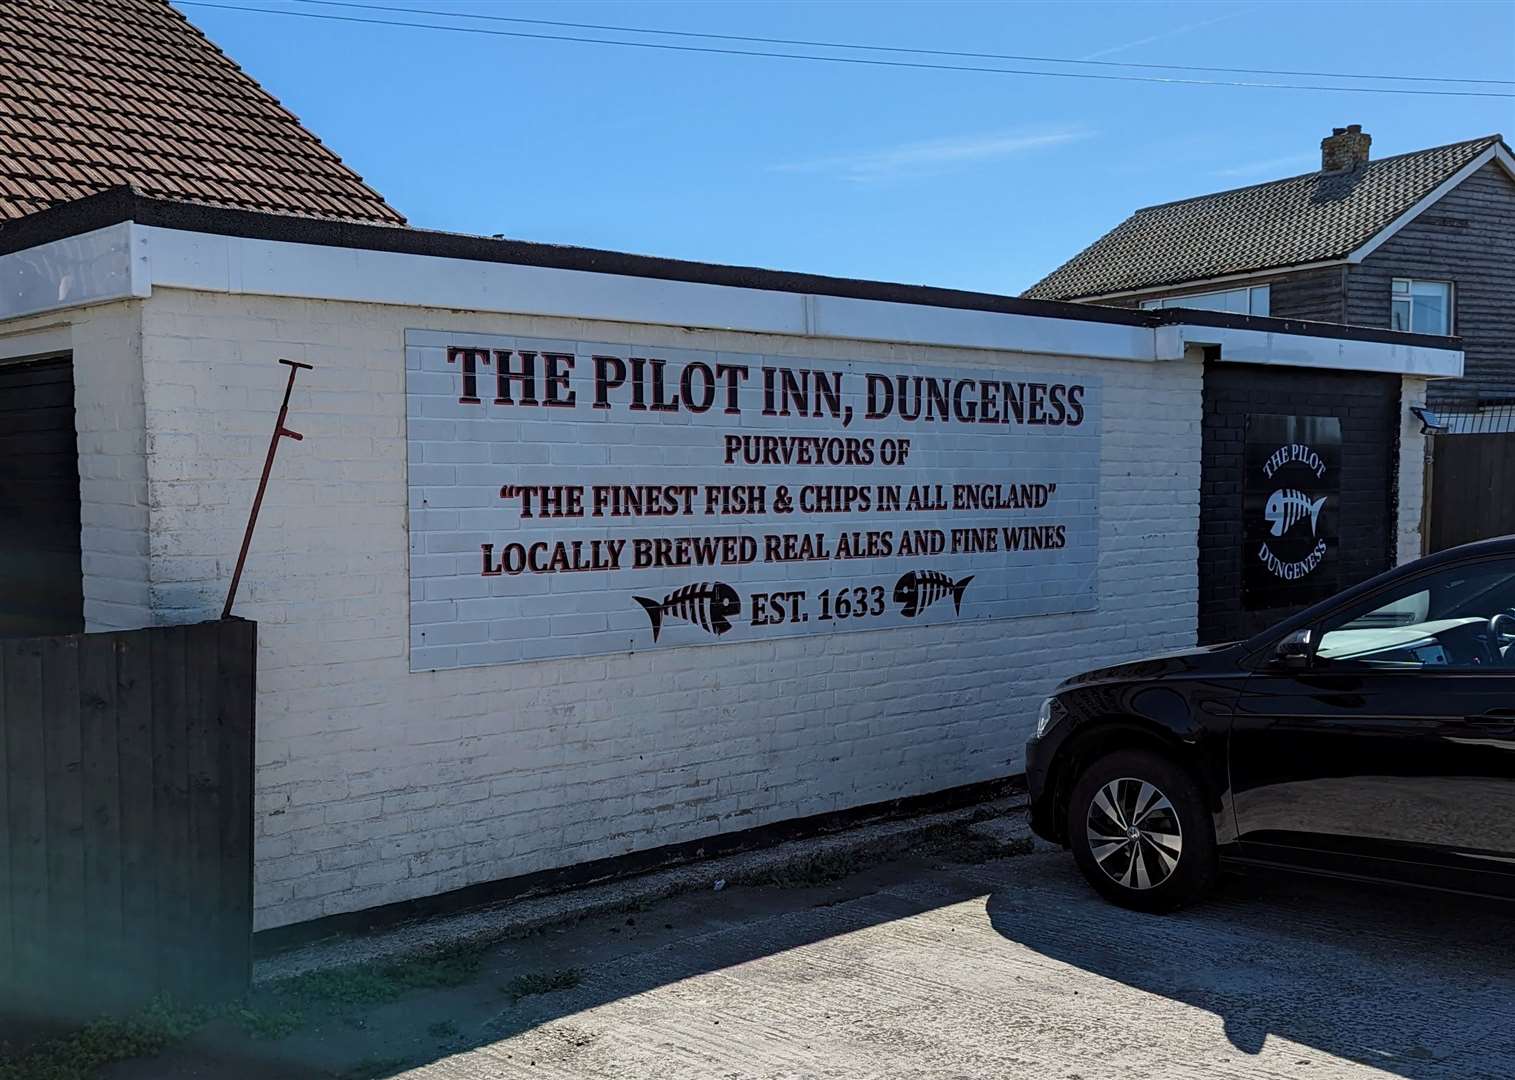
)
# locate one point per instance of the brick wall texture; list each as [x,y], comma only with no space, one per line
[1412,473]
[110,420]
[377,785]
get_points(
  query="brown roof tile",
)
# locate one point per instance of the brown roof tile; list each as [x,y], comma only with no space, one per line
[99,93]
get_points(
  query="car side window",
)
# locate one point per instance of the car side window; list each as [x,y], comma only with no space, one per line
[1461,618]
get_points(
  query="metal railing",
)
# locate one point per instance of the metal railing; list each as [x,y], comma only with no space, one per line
[1467,416]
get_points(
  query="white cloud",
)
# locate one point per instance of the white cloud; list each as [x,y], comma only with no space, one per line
[932,155]
[1171,32]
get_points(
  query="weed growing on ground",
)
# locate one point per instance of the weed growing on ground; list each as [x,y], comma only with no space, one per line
[267,1022]
[378,983]
[959,842]
[92,1047]
[816,868]
[541,982]
[274,1013]
[953,841]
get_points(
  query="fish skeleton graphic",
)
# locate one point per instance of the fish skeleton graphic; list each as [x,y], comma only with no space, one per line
[919,589]
[709,605]
[1287,508]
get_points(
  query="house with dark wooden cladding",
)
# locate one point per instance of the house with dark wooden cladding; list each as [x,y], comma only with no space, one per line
[1423,241]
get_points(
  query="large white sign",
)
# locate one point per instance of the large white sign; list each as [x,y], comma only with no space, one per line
[574,498]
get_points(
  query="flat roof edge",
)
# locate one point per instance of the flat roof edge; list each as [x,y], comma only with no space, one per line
[126,204]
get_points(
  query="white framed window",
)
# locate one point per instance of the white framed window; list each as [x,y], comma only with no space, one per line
[1422,307]
[1247,300]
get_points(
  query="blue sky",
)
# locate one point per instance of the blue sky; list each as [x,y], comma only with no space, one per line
[960,179]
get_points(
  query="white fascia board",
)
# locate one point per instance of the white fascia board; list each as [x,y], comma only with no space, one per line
[1338,354]
[130,260]
[212,263]
[1497,152]
[91,268]
[916,324]
[1259,277]
[188,260]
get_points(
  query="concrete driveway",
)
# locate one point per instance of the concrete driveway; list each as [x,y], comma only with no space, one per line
[1013,969]
[1008,968]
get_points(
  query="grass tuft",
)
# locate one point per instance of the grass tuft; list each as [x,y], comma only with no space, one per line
[959,842]
[953,841]
[816,868]
[268,1022]
[376,984]
[80,1055]
[274,1013]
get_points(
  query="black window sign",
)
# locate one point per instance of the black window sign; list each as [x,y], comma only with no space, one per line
[1290,502]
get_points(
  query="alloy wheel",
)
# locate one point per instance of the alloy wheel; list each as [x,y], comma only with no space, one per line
[1134,834]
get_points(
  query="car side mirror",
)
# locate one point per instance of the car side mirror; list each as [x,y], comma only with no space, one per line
[1294,651]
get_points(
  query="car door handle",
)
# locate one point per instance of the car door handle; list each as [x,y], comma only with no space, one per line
[1496,718]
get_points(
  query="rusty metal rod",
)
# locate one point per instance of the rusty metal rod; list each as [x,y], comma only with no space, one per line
[280,431]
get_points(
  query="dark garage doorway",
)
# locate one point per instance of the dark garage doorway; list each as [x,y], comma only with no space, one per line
[41,580]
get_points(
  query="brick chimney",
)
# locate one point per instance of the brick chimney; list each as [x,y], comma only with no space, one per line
[1344,148]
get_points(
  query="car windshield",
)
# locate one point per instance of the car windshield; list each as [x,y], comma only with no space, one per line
[1438,619]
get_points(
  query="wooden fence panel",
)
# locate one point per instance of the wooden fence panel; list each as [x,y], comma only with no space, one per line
[139,891]
[236,674]
[171,804]
[26,818]
[99,738]
[64,795]
[1472,488]
[7,948]
[126,784]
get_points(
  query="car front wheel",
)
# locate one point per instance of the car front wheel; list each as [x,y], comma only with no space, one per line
[1140,831]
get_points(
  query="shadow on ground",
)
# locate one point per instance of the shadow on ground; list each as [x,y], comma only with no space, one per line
[614,958]
[1413,983]
[1417,985]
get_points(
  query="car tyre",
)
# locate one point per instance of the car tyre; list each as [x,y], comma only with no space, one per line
[1140,831]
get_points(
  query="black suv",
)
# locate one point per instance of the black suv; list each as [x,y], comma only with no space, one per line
[1371,736]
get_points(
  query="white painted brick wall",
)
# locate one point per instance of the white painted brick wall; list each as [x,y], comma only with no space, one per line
[1412,471]
[376,785]
[109,418]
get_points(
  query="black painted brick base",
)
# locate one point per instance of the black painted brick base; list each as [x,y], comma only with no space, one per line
[1368,406]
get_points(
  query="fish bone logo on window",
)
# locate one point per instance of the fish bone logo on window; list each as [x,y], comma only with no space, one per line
[1287,508]
[1295,547]
[1291,506]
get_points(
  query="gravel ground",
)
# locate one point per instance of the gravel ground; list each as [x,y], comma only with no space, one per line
[927,968]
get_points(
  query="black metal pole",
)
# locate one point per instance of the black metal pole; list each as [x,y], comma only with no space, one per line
[280,431]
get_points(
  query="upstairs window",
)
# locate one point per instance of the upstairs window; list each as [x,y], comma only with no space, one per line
[1244,301]
[1422,307]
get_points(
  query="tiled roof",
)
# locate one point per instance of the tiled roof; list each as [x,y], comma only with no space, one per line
[96,94]
[1281,223]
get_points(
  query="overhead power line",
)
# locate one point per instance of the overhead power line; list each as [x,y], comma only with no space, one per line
[895,48]
[853,60]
